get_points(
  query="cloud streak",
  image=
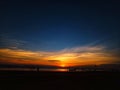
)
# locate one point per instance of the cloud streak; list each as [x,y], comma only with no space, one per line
[84,55]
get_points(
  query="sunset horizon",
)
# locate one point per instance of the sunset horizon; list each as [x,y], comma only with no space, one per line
[59,44]
[85,55]
[61,34]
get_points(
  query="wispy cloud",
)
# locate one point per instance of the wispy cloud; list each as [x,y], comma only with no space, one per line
[73,56]
[8,42]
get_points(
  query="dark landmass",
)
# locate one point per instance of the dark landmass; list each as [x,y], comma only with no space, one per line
[22,80]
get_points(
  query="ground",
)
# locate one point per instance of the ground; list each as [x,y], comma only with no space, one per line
[16,80]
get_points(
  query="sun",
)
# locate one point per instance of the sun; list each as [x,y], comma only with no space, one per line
[62,65]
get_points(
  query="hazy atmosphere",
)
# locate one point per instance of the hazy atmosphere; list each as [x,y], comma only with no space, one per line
[59,44]
[57,33]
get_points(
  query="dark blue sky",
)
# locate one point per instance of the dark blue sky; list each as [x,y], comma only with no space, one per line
[55,25]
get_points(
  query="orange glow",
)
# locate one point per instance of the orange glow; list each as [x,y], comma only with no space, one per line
[63,58]
[62,65]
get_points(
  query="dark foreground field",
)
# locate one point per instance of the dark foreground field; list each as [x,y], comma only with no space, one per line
[13,80]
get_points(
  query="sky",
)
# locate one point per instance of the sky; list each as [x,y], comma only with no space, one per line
[60,33]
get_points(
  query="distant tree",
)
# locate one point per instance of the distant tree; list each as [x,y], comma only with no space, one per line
[95,67]
[37,69]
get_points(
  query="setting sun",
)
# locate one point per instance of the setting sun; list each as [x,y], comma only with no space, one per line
[62,65]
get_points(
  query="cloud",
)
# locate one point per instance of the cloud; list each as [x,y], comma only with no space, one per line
[70,56]
[8,42]
[54,61]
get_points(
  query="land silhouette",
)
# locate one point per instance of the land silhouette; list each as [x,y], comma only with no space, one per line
[91,79]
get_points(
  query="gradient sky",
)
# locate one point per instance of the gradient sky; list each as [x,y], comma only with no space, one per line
[62,33]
